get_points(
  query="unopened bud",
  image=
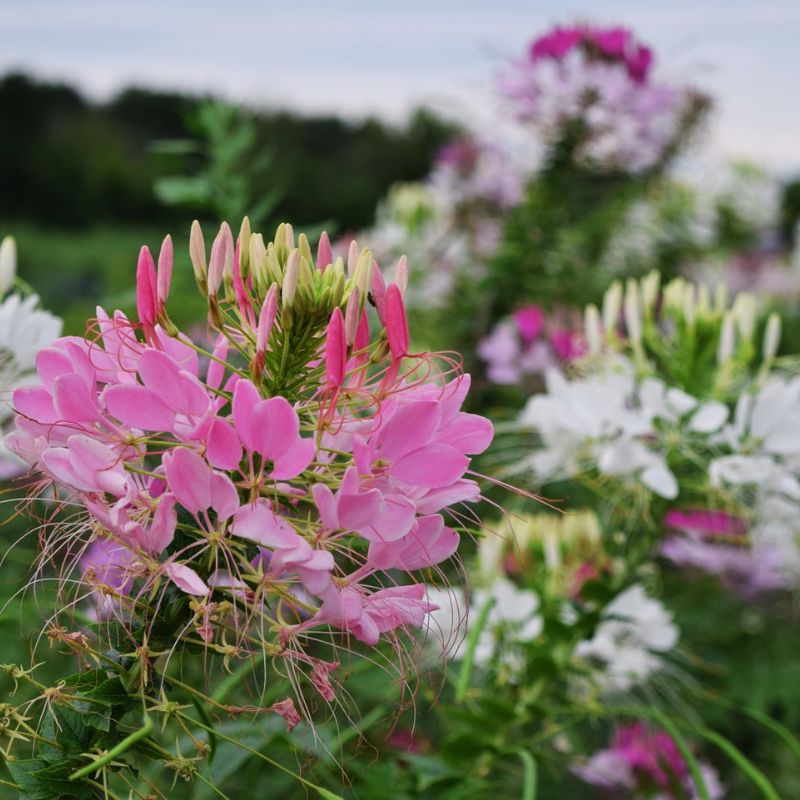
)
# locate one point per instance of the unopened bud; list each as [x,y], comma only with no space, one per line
[244,246]
[744,311]
[266,319]
[352,258]
[290,277]
[612,305]
[305,248]
[352,315]
[593,329]
[772,336]
[401,275]
[633,319]
[258,260]
[197,254]
[727,338]
[166,259]
[650,286]
[8,264]
[324,252]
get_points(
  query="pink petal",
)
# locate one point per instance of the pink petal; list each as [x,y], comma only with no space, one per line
[186,579]
[468,433]
[259,523]
[224,497]
[326,505]
[433,466]
[409,428]
[395,522]
[50,363]
[222,445]
[245,401]
[360,510]
[138,406]
[189,478]
[291,463]
[73,401]
[35,402]
[276,427]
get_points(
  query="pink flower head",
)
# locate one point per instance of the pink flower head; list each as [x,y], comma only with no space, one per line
[529,321]
[713,523]
[290,483]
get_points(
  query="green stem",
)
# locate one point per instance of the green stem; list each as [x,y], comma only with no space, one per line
[115,751]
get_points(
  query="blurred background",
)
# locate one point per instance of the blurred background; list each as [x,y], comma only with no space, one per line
[108,139]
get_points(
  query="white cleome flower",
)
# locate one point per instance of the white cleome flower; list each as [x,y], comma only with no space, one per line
[512,619]
[24,329]
[629,641]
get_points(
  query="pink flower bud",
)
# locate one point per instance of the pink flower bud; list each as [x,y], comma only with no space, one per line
[335,349]
[401,275]
[378,292]
[197,253]
[352,315]
[267,318]
[216,265]
[227,269]
[352,257]
[146,301]
[324,252]
[166,258]
[396,322]
[290,276]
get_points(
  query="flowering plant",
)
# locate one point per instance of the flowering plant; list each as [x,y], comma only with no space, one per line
[24,328]
[594,86]
[270,499]
[528,344]
[680,425]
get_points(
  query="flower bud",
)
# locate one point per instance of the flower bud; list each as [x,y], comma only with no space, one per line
[772,336]
[612,304]
[225,231]
[258,261]
[727,338]
[352,257]
[335,349]
[8,264]
[266,318]
[197,255]
[324,252]
[352,315]
[290,276]
[244,247]
[166,259]
[650,286]
[593,329]
[217,261]
[378,292]
[146,301]
[633,318]
[401,275]
[305,248]
[396,322]
[744,311]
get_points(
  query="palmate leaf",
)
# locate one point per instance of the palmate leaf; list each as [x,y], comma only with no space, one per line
[39,780]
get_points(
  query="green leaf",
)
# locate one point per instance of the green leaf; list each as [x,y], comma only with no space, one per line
[39,780]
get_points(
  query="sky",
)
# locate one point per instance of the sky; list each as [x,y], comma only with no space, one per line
[355,58]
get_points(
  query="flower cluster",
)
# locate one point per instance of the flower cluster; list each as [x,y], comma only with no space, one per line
[595,85]
[628,644]
[680,408]
[24,328]
[450,224]
[642,763]
[529,343]
[286,482]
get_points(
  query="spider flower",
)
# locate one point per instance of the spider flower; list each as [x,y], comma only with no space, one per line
[272,488]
